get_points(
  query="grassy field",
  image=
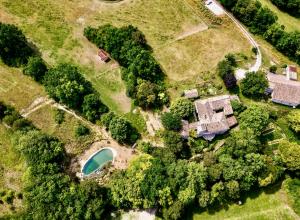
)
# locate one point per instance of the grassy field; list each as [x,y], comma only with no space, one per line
[263,205]
[57,29]
[291,23]
[16,89]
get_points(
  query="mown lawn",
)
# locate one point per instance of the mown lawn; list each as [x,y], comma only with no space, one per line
[262,205]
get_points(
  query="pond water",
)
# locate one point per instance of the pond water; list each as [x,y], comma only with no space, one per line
[97,161]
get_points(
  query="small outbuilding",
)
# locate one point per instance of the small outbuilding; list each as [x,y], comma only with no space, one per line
[103,55]
[291,73]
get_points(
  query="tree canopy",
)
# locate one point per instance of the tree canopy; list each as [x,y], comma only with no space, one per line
[254,85]
[66,84]
[122,131]
[142,74]
[290,153]
[14,48]
[290,6]
[255,118]
[171,121]
[183,108]
[294,120]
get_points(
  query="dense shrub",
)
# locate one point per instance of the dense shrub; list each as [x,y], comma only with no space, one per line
[36,68]
[81,130]
[59,116]
[14,48]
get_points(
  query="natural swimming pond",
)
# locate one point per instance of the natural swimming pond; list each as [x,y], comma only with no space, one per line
[97,161]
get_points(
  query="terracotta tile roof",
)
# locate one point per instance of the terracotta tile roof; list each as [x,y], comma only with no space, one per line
[103,55]
[212,115]
[281,79]
[284,91]
[286,94]
[292,69]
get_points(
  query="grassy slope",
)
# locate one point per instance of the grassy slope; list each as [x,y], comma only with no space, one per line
[43,118]
[16,89]
[57,30]
[258,205]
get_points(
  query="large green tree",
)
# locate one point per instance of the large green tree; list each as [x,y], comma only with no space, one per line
[92,107]
[36,68]
[183,108]
[171,121]
[254,85]
[290,153]
[122,131]
[66,84]
[40,148]
[14,48]
[255,118]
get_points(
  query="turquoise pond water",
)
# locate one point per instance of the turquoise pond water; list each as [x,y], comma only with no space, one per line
[97,161]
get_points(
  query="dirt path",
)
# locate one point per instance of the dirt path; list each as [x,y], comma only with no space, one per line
[43,101]
[241,73]
[192,31]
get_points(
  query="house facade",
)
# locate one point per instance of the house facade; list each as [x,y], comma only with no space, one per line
[214,117]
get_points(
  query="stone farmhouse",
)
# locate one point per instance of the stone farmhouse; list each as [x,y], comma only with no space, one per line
[214,117]
[285,90]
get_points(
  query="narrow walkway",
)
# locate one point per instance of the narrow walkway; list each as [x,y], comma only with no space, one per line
[241,73]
